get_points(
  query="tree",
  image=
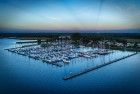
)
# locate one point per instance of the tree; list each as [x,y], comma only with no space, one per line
[39,41]
[135,45]
[76,36]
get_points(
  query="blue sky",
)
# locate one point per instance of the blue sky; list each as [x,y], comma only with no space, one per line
[70,14]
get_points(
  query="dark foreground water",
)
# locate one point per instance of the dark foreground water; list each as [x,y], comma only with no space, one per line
[21,75]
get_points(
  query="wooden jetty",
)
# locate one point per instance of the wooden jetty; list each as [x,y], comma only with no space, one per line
[73,75]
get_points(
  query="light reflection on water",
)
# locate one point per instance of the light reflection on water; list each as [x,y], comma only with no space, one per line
[32,76]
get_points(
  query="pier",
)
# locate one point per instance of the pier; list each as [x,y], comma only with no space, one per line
[73,75]
[21,46]
[22,42]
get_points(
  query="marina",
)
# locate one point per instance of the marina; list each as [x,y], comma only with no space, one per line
[62,52]
[58,52]
[20,62]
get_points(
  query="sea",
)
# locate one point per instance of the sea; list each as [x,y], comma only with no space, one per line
[23,75]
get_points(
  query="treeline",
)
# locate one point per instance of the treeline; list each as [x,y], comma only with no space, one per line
[75,35]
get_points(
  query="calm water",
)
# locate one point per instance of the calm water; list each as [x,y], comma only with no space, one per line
[21,75]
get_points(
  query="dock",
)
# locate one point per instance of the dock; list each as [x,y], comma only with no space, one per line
[22,42]
[73,75]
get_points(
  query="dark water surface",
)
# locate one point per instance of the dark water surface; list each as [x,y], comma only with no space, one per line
[22,75]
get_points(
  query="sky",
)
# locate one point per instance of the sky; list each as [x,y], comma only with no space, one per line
[70,14]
